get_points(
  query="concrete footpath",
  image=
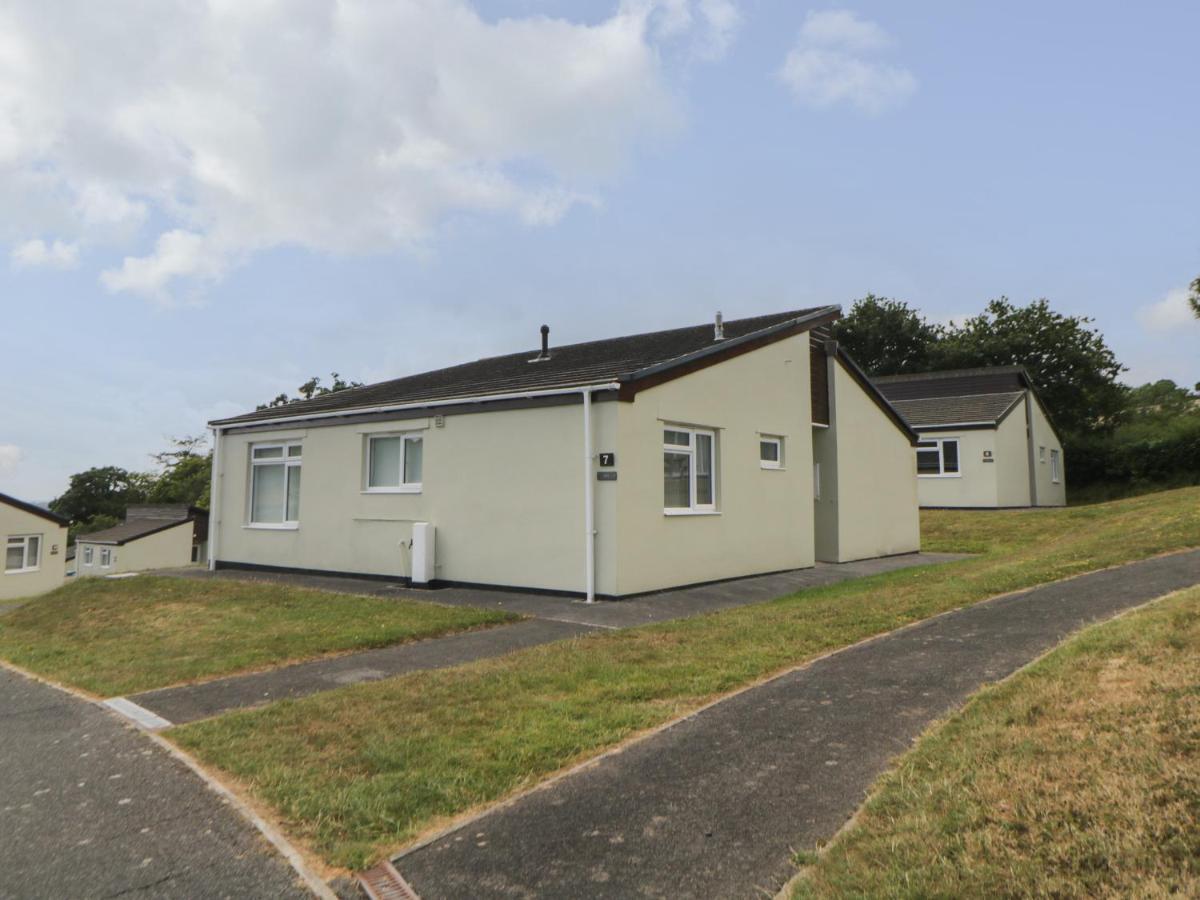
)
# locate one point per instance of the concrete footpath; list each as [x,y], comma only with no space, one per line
[716,805]
[552,619]
[91,807]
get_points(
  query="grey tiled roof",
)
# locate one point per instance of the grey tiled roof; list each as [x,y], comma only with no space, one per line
[956,410]
[572,365]
[130,530]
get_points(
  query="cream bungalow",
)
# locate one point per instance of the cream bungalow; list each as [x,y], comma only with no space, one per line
[163,536]
[986,440]
[35,547]
[610,468]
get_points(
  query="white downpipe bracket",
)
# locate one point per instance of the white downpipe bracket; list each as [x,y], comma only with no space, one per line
[214,494]
[589,510]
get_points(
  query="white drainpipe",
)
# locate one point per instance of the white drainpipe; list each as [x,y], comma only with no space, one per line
[214,510]
[589,504]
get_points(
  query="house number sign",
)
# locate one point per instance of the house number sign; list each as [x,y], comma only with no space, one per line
[608,460]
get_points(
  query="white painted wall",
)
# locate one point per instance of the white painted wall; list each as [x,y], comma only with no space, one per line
[52,566]
[764,521]
[977,481]
[1012,460]
[1048,492]
[868,504]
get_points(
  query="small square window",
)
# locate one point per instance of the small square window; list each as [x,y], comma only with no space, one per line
[395,463]
[770,452]
[937,457]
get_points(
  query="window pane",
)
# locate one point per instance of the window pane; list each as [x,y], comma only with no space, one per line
[385,462]
[294,450]
[293,494]
[677,480]
[950,456]
[14,558]
[413,450]
[768,451]
[927,462]
[268,495]
[704,470]
[677,438]
[268,452]
[33,554]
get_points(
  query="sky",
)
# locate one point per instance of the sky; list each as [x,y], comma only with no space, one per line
[204,204]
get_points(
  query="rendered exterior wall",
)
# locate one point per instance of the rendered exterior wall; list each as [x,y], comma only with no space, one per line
[764,519]
[869,493]
[503,489]
[1012,459]
[52,568]
[1048,493]
[167,549]
[977,481]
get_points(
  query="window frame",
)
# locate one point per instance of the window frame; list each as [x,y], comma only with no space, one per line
[1055,466]
[288,461]
[88,556]
[777,463]
[106,552]
[23,540]
[941,442]
[402,487]
[694,508]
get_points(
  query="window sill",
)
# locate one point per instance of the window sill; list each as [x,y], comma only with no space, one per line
[403,489]
[259,526]
[22,571]
[956,475]
[691,512]
[772,468]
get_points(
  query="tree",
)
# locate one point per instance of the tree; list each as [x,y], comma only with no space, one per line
[1073,368]
[1194,297]
[102,491]
[187,473]
[312,388]
[887,337]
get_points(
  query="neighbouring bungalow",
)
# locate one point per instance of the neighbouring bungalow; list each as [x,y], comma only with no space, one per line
[35,546]
[986,440]
[609,468]
[163,536]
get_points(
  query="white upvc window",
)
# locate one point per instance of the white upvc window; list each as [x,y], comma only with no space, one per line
[23,553]
[106,557]
[275,485]
[770,451]
[937,458]
[87,556]
[689,470]
[1041,454]
[1055,471]
[395,463]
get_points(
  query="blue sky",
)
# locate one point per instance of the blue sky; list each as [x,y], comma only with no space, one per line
[397,186]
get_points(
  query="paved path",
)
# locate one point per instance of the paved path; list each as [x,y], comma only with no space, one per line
[714,806]
[555,618]
[90,807]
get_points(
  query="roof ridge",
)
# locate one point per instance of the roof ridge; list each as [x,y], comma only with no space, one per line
[948,373]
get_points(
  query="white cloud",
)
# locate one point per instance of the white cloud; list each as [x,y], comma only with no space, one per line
[343,127]
[37,252]
[832,63]
[10,455]
[1170,313]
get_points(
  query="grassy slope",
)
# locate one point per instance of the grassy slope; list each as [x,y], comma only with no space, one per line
[359,771]
[1079,777]
[123,635]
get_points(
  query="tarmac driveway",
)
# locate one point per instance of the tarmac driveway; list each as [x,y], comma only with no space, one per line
[91,807]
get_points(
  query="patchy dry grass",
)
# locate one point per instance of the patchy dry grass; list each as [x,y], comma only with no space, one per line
[117,636]
[1078,777]
[358,772]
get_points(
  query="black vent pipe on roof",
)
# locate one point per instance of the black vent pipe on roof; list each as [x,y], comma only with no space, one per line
[545,354]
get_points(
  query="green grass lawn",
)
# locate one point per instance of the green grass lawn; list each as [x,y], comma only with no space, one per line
[360,771]
[1078,777]
[118,636]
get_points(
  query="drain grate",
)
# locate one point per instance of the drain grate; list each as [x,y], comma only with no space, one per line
[384,883]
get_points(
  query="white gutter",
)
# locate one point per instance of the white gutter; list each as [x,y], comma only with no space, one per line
[423,404]
[214,509]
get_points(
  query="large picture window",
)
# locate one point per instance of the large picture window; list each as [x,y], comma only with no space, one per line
[23,553]
[395,462]
[689,484]
[275,484]
[937,458]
